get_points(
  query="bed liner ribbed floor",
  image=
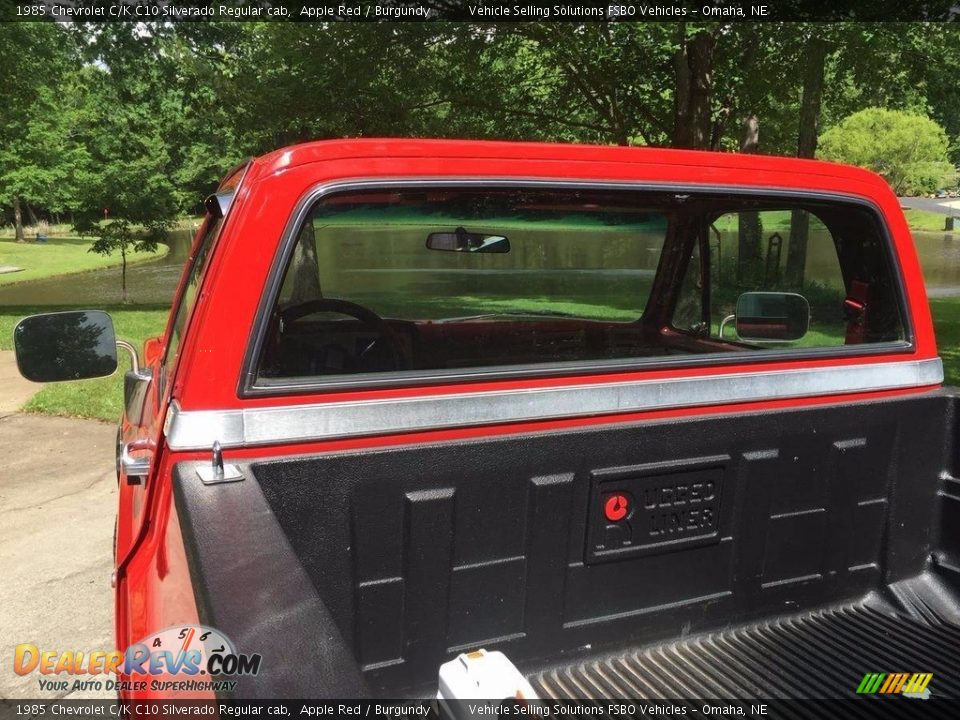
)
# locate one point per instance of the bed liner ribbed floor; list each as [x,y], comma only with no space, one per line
[822,654]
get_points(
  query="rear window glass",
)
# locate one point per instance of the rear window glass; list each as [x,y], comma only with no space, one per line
[751,252]
[582,257]
[454,279]
[188,298]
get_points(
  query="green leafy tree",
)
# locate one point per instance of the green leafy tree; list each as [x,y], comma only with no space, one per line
[128,198]
[909,150]
[143,119]
[119,236]
[36,155]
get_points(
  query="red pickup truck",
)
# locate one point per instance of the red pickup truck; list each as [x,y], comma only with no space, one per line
[649,423]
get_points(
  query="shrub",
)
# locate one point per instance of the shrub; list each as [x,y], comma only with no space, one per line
[909,150]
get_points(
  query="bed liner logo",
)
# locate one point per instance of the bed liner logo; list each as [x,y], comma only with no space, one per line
[187,657]
[895,683]
[680,507]
[657,512]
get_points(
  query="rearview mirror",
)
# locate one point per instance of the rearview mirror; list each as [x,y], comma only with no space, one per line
[65,346]
[772,316]
[462,241]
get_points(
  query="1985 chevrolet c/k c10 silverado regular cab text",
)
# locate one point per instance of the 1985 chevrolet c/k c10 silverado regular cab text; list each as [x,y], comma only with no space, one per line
[650,423]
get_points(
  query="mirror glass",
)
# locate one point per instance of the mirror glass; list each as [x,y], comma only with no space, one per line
[462,241]
[65,346]
[772,316]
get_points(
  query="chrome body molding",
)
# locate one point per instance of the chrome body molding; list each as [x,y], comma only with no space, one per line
[199,429]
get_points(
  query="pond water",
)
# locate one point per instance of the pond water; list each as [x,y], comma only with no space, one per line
[148,283]
[940,259]
[154,282]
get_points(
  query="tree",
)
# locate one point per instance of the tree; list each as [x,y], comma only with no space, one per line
[35,155]
[807,137]
[129,118]
[118,236]
[143,119]
[291,84]
[693,88]
[749,229]
[911,151]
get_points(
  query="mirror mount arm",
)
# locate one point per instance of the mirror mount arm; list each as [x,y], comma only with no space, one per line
[723,324]
[134,357]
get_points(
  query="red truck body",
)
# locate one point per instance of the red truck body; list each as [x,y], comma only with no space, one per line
[202,393]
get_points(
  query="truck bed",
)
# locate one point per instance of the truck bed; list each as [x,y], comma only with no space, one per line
[817,554]
[820,654]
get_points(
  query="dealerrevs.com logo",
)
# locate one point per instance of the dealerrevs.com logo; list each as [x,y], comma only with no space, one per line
[187,658]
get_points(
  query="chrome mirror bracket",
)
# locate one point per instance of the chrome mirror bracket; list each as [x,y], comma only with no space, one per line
[134,357]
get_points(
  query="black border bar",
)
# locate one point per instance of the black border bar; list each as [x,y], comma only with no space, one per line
[478,11]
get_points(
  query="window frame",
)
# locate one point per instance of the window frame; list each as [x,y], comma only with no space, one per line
[201,250]
[249,387]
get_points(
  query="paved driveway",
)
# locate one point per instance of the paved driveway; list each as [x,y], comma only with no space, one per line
[945,206]
[14,390]
[58,493]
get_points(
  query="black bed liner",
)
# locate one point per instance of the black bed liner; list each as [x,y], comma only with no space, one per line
[834,552]
[821,654]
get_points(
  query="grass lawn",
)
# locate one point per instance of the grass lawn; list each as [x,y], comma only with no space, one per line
[59,256]
[100,399]
[780,220]
[923,220]
[946,319]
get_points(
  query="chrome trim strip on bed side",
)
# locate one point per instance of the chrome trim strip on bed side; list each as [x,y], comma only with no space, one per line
[198,429]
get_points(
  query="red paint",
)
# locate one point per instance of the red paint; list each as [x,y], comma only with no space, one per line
[616,507]
[154,589]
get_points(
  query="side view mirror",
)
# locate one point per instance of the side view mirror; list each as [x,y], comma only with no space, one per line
[462,241]
[772,316]
[60,346]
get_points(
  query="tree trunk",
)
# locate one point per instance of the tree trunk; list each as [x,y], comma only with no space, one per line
[33,215]
[749,230]
[18,219]
[305,268]
[797,249]
[123,273]
[806,148]
[693,66]
[681,88]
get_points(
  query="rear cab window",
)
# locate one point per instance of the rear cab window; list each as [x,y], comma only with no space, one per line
[188,296]
[838,264]
[434,282]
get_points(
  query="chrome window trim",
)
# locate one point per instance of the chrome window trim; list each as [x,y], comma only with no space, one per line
[251,427]
[249,387]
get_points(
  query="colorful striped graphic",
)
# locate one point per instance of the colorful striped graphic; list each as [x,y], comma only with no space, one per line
[890,683]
